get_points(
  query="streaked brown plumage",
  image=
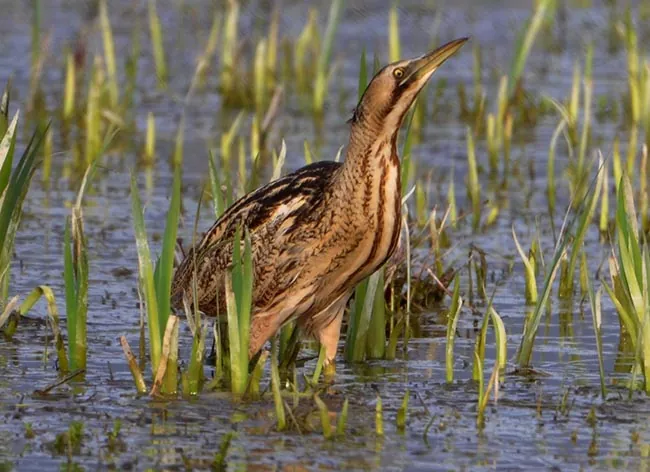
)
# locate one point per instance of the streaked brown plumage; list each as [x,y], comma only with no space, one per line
[319,231]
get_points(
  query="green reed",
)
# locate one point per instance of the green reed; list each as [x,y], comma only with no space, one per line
[491,317]
[179,142]
[393,34]
[524,43]
[630,271]
[529,271]
[304,53]
[324,417]
[93,117]
[69,91]
[149,153]
[15,179]
[603,221]
[193,378]
[198,81]
[452,323]
[379,417]
[596,316]
[109,53]
[323,66]
[45,292]
[275,387]
[578,170]
[617,166]
[570,227]
[239,293]
[368,304]
[451,201]
[573,107]
[75,274]
[157,46]
[584,219]
[156,284]
[48,146]
[259,77]
[484,393]
[473,185]
[229,44]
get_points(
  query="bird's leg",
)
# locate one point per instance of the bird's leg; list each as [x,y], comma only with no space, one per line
[328,337]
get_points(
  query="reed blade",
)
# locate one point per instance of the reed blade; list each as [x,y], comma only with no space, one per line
[147,281]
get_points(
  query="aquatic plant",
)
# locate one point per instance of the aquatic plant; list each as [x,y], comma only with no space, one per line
[109,54]
[524,42]
[473,185]
[366,333]
[452,323]
[10,319]
[597,318]
[573,231]
[585,217]
[491,317]
[323,68]
[75,273]
[239,296]
[229,48]
[149,153]
[629,269]
[156,285]
[14,184]
[157,46]
[529,272]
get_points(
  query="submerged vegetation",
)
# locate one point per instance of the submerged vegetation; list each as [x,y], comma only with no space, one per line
[464,253]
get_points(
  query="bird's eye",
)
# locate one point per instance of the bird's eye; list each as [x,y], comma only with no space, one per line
[398,73]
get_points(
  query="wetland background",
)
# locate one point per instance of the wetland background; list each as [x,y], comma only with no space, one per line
[553,417]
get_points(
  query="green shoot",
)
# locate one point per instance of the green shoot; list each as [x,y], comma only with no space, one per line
[155,30]
[473,186]
[524,43]
[109,53]
[75,272]
[275,387]
[150,140]
[452,323]
[532,322]
[13,189]
[323,68]
[630,272]
[239,292]
[529,274]
[596,315]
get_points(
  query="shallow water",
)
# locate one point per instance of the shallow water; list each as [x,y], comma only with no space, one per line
[528,429]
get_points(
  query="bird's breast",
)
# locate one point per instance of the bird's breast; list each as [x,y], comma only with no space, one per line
[387,217]
[375,224]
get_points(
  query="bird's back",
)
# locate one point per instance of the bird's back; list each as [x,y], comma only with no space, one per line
[282,218]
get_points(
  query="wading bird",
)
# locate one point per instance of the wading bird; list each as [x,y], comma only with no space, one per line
[317,232]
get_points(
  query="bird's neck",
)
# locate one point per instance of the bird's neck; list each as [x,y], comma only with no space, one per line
[371,158]
[368,193]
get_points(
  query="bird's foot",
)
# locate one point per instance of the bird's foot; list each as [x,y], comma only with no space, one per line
[329,372]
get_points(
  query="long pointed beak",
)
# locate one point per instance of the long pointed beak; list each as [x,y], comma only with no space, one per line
[427,64]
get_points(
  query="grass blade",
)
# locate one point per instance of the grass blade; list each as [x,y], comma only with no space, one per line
[147,281]
[452,323]
[165,267]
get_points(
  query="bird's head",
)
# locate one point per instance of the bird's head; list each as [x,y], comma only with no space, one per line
[393,89]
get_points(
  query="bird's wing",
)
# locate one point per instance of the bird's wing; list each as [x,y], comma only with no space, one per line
[270,214]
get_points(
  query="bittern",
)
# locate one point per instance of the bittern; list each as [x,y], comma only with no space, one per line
[317,232]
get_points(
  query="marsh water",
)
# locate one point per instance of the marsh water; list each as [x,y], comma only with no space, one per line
[554,419]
